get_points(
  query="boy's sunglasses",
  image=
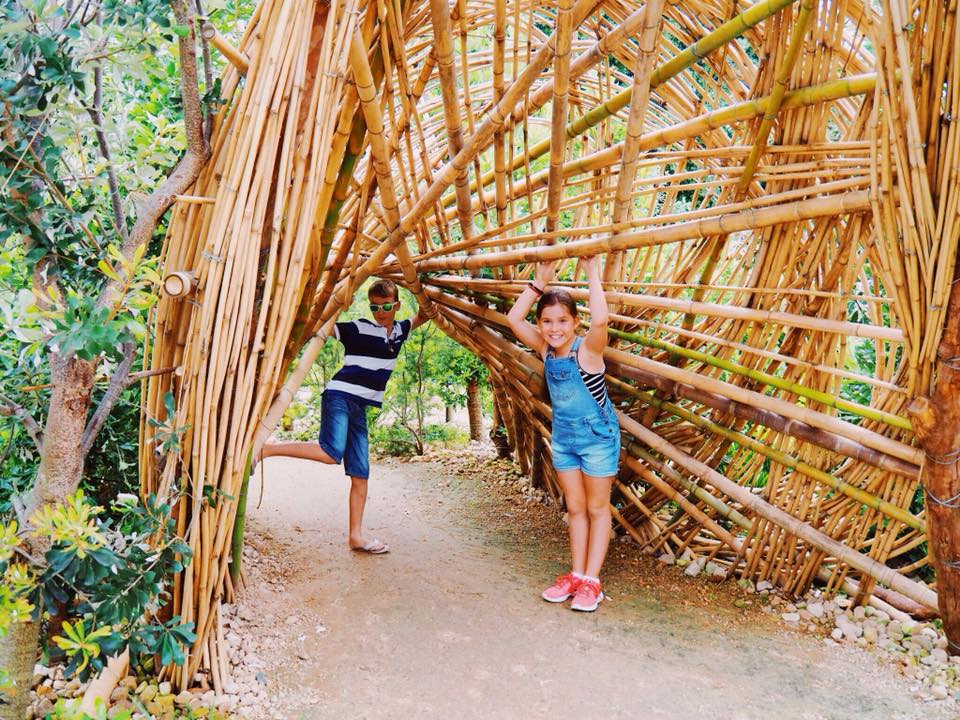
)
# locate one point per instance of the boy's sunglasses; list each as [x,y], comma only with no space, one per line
[386,307]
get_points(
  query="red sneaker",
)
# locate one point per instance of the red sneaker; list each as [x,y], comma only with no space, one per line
[588,597]
[563,587]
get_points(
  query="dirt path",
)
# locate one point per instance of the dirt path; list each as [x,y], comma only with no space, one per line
[450,624]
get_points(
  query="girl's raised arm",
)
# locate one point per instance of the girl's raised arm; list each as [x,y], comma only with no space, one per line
[527,332]
[596,340]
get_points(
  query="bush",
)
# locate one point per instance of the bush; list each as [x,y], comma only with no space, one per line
[447,435]
[109,573]
[394,440]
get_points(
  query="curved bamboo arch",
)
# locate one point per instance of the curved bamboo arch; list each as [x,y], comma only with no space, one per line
[775,188]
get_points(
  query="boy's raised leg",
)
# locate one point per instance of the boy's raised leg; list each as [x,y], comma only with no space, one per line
[297,449]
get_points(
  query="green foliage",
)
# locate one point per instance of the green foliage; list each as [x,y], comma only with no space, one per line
[110,572]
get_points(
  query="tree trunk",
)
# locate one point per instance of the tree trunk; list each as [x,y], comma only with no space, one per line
[61,465]
[448,414]
[936,421]
[498,432]
[473,407]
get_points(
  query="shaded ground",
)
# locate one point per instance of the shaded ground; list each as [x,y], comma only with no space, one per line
[450,624]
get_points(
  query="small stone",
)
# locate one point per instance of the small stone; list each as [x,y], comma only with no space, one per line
[859,613]
[667,559]
[148,693]
[939,692]
[815,610]
[791,617]
[837,634]
[939,656]
[740,603]
[764,585]
[165,688]
[184,698]
[870,635]
[43,708]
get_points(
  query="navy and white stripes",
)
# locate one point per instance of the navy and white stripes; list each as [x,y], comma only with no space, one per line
[369,358]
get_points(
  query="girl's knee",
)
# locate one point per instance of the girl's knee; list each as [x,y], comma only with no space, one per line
[576,511]
[599,512]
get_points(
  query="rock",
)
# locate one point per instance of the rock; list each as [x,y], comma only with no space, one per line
[165,688]
[119,693]
[230,687]
[764,586]
[837,634]
[148,693]
[842,602]
[939,692]
[870,634]
[667,559]
[184,698]
[850,629]
[791,617]
[939,656]
[859,613]
[43,708]
[895,630]
[693,569]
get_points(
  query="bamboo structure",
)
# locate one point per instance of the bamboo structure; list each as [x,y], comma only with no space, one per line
[776,191]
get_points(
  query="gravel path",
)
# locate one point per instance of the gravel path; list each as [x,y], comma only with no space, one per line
[449,624]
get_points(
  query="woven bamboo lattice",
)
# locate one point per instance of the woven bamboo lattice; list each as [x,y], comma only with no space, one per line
[774,188]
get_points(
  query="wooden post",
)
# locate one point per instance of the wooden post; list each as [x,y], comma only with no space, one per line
[936,421]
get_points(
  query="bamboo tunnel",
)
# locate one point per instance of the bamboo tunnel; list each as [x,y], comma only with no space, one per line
[773,190]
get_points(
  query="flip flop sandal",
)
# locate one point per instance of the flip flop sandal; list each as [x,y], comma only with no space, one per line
[374,547]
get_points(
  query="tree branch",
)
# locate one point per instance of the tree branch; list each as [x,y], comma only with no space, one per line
[96,114]
[207,75]
[118,383]
[188,169]
[8,408]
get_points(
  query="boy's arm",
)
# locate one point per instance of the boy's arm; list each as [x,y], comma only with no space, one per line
[419,319]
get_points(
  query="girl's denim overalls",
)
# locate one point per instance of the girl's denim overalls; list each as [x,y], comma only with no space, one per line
[585,436]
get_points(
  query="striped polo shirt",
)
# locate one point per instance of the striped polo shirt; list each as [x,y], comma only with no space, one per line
[369,357]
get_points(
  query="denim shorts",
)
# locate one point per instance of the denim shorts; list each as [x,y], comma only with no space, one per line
[590,444]
[343,432]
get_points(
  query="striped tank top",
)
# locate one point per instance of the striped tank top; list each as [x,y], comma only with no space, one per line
[595,383]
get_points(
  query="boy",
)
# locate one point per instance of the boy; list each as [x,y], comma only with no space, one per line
[370,352]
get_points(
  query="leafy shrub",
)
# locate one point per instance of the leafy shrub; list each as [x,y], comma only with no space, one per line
[445,434]
[111,573]
[394,440]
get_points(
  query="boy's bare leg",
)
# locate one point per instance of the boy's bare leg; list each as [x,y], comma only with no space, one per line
[298,449]
[358,500]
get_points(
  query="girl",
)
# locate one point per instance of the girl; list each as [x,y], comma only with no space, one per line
[585,434]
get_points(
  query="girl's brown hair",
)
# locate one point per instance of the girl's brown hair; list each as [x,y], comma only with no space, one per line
[557,297]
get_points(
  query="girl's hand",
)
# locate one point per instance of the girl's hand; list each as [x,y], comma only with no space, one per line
[591,265]
[545,273]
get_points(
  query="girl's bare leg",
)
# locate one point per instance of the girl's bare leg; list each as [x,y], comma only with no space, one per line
[598,510]
[297,449]
[578,524]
